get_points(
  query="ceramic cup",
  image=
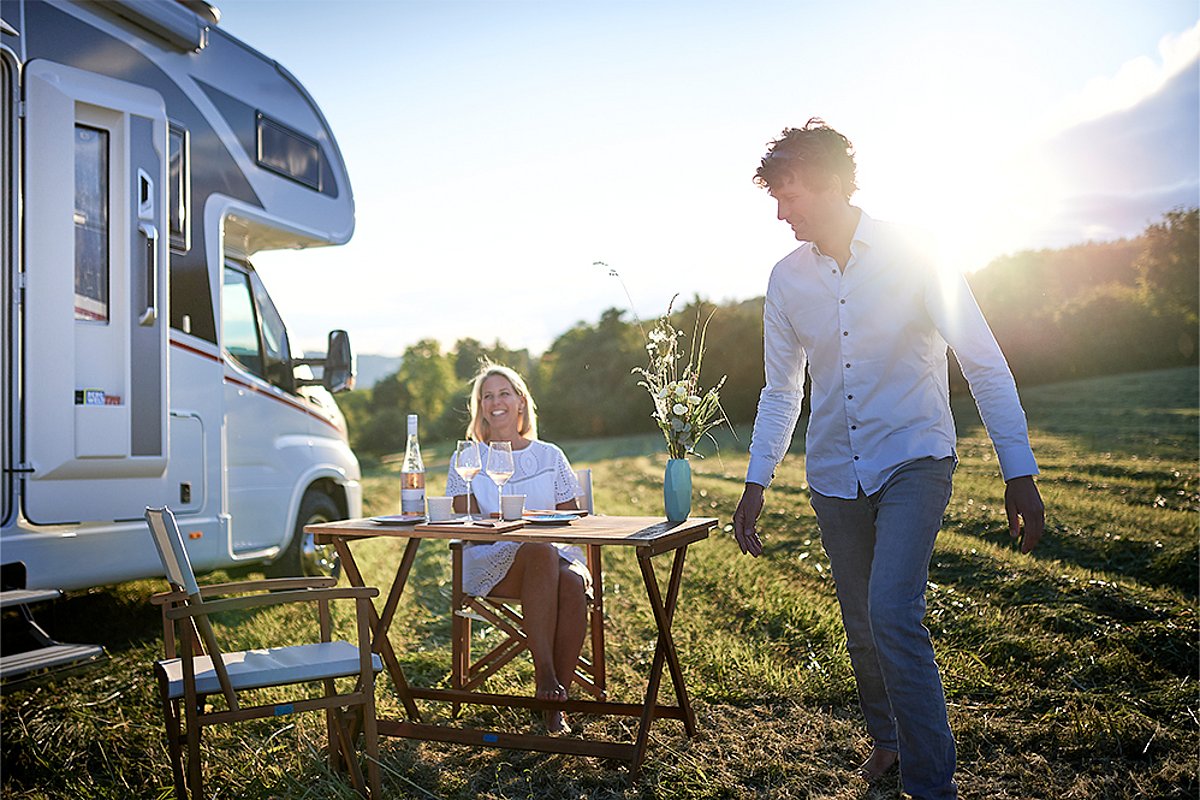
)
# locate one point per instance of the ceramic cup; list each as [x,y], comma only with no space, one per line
[441,509]
[512,506]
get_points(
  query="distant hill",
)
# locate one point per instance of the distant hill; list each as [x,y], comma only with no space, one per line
[372,369]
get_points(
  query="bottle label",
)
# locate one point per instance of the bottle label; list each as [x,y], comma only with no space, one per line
[412,501]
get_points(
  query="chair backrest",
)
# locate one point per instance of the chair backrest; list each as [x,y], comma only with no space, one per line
[586,501]
[169,541]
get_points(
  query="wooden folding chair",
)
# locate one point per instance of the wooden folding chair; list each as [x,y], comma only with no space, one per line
[186,678]
[502,613]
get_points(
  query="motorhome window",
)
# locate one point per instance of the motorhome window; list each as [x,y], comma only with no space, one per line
[289,152]
[91,224]
[274,337]
[179,163]
[239,325]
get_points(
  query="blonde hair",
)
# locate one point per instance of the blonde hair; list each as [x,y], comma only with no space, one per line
[478,428]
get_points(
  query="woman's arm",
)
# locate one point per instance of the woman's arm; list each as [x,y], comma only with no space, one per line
[460,504]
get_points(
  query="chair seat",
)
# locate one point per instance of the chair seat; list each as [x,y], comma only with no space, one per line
[255,669]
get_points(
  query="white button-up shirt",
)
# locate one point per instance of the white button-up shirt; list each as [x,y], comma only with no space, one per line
[874,341]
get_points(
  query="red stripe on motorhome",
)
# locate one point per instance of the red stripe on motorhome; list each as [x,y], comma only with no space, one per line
[286,401]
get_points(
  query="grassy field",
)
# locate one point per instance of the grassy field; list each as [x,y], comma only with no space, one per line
[1070,673]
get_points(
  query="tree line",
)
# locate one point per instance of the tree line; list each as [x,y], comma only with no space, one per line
[1089,309]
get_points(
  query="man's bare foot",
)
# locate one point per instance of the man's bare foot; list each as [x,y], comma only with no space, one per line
[878,764]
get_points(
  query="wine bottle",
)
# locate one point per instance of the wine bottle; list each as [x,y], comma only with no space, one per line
[412,473]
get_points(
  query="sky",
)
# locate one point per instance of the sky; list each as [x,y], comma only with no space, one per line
[499,149]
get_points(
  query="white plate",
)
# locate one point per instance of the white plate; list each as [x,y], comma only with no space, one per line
[550,519]
[399,519]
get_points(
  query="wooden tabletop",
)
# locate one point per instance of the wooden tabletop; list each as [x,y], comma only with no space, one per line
[654,533]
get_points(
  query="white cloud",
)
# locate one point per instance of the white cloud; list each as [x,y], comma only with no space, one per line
[1115,174]
[1133,82]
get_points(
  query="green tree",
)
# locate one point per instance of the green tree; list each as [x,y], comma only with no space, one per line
[427,376]
[356,408]
[1169,263]
[733,347]
[1169,271]
[587,386]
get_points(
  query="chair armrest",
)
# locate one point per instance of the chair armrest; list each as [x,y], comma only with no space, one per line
[266,585]
[167,598]
[242,587]
[266,600]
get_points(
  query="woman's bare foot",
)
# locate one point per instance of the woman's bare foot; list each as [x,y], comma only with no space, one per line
[556,721]
[877,764]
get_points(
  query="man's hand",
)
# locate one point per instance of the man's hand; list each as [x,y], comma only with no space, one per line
[744,519]
[1026,514]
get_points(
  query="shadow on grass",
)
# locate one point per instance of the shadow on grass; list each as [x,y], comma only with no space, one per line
[1173,565]
[119,618]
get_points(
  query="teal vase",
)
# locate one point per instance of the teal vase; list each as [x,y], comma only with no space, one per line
[677,489]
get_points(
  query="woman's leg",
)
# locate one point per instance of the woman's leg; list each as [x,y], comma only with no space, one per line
[533,577]
[572,623]
[568,638]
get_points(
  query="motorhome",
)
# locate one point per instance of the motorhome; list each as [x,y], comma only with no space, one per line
[147,155]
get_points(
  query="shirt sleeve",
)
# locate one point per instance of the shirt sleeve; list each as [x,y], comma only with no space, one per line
[952,307]
[784,362]
[455,485]
[566,485]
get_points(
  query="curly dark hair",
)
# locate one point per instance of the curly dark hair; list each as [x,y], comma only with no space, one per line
[812,154]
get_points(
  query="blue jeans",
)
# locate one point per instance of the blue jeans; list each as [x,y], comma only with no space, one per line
[879,548]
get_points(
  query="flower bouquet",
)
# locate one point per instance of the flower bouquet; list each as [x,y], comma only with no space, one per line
[684,412]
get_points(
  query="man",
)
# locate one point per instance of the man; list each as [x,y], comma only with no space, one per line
[863,307]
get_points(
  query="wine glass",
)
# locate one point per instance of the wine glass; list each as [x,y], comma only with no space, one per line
[500,464]
[467,465]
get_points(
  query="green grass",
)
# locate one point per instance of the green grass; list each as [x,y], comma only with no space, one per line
[1070,673]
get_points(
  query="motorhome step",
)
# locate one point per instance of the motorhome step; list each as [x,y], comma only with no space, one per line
[10,598]
[58,655]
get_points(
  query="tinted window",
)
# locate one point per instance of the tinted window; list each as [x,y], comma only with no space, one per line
[289,152]
[274,337]
[179,190]
[239,326]
[91,224]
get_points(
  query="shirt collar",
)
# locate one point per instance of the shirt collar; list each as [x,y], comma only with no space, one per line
[865,234]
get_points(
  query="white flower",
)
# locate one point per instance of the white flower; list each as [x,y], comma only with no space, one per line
[679,408]
[681,390]
[694,399]
[662,392]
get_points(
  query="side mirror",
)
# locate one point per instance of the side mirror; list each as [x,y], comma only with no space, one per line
[337,374]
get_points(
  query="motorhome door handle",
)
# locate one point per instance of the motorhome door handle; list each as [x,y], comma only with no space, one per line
[149,316]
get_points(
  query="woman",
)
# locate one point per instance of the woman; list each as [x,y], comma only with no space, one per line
[551,580]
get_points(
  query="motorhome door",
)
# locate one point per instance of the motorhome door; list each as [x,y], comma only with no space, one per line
[95,370]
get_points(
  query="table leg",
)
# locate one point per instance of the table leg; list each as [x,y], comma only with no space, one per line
[689,717]
[664,612]
[380,643]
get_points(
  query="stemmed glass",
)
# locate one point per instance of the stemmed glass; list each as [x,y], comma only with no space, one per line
[467,465]
[500,465]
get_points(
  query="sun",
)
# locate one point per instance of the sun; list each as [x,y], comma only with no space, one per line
[977,200]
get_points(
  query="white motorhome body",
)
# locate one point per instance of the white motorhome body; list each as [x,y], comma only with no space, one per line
[147,155]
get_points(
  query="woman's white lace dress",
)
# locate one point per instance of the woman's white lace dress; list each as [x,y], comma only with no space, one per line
[541,473]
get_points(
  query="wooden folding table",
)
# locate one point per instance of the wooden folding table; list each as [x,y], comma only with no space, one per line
[649,536]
